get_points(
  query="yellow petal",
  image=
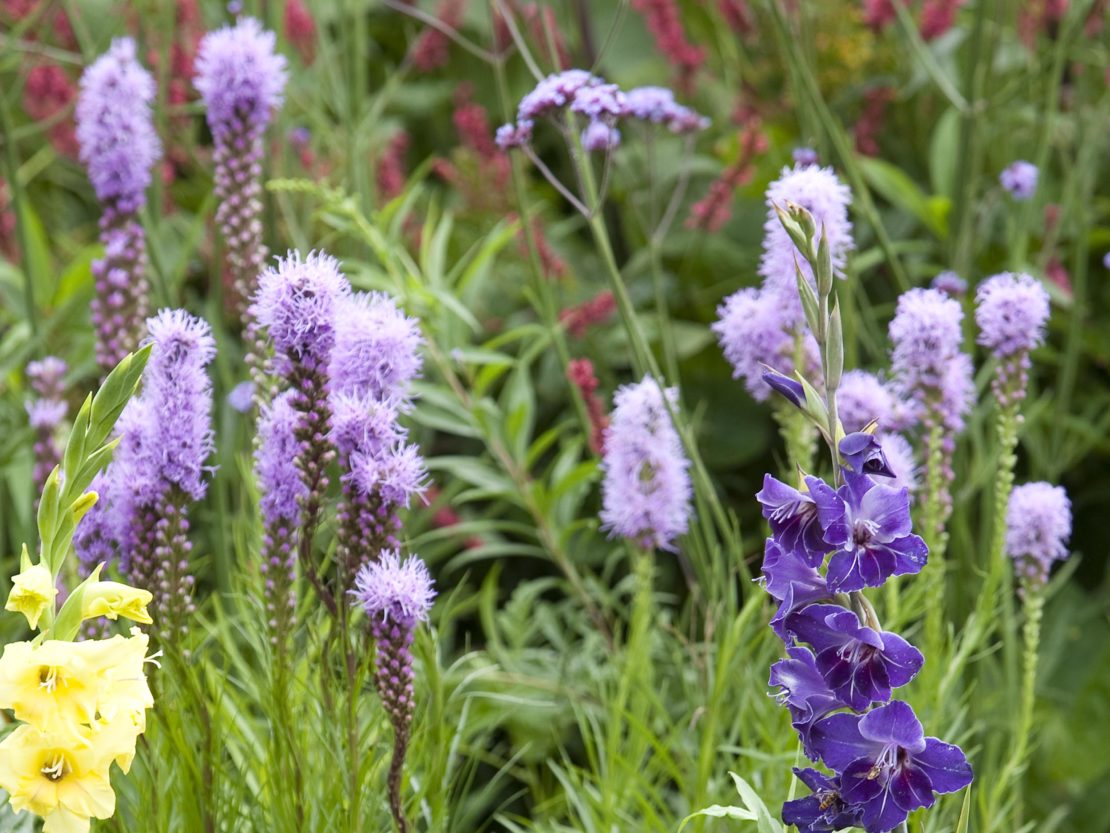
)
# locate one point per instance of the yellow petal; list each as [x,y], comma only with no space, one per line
[33,591]
[112,599]
[63,821]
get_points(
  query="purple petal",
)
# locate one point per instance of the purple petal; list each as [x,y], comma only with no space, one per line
[893,723]
[901,659]
[861,781]
[945,764]
[793,518]
[910,554]
[838,741]
[911,789]
[832,512]
[882,813]
[889,509]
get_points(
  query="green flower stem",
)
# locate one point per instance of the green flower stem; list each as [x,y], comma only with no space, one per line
[1023,722]
[936,535]
[997,567]
[643,359]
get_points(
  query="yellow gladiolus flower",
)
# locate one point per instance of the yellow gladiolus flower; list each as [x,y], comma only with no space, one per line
[32,593]
[112,599]
[55,685]
[65,783]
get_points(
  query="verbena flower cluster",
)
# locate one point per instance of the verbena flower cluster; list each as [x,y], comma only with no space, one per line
[841,667]
[1038,525]
[119,146]
[160,468]
[1020,179]
[646,491]
[765,326]
[1011,310]
[46,411]
[241,80]
[603,106]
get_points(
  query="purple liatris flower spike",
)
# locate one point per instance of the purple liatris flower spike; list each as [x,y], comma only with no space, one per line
[757,329]
[819,191]
[863,397]
[241,80]
[45,412]
[868,527]
[646,490]
[375,358]
[397,596]
[1038,525]
[931,371]
[174,449]
[1011,310]
[887,767]
[282,493]
[377,348]
[115,130]
[160,468]
[860,665]
[296,304]
[1020,179]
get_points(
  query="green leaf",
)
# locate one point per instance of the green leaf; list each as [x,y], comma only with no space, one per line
[902,192]
[765,822]
[718,811]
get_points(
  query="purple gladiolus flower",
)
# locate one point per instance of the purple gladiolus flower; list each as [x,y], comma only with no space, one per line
[792,582]
[863,453]
[786,386]
[869,527]
[859,664]
[1020,179]
[646,490]
[887,766]
[793,518]
[804,693]
[824,811]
